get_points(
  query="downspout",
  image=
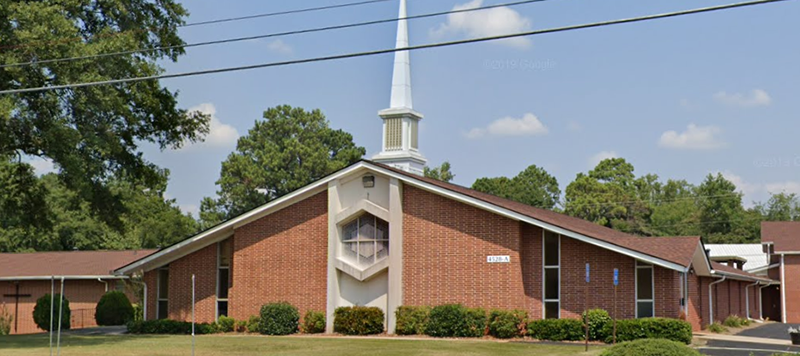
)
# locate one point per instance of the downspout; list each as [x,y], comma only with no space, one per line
[747,297]
[104,282]
[760,301]
[711,299]
[144,301]
[783,289]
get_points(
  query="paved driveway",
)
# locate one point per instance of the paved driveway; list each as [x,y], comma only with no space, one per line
[771,331]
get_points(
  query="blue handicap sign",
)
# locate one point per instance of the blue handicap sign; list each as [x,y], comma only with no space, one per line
[616,277]
[587,273]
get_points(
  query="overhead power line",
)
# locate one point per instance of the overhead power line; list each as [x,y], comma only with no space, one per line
[281,13]
[270,35]
[386,51]
[200,23]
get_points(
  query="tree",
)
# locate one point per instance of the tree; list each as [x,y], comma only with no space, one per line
[533,186]
[92,134]
[289,149]
[720,206]
[781,207]
[441,173]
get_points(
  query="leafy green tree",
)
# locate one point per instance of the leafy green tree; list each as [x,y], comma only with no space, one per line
[92,134]
[533,186]
[289,149]
[781,207]
[720,206]
[24,213]
[441,173]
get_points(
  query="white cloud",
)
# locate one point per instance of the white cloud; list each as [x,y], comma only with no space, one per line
[280,47]
[485,23]
[757,97]
[747,188]
[527,125]
[694,138]
[219,135]
[783,187]
[760,191]
[601,156]
[42,165]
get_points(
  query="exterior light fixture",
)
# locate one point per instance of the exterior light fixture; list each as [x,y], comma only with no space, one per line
[368,181]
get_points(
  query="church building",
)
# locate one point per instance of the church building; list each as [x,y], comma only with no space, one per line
[378,233]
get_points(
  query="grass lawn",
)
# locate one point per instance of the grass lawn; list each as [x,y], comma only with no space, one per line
[232,345]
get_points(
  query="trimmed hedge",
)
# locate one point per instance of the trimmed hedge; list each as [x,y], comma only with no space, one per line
[41,313]
[505,324]
[279,319]
[557,330]
[651,328]
[314,322]
[358,320]
[598,320]
[226,324]
[650,347]
[412,320]
[114,308]
[455,320]
[171,327]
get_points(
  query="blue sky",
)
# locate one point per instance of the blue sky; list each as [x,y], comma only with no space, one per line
[680,97]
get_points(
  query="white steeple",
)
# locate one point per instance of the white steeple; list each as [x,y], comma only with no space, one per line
[400,122]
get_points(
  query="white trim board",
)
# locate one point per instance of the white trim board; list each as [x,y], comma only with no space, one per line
[47,278]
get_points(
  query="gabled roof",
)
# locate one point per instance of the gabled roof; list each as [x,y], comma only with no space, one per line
[69,264]
[675,253]
[783,235]
[752,253]
[736,273]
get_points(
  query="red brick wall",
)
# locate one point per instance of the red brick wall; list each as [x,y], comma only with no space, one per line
[445,244]
[697,308]
[83,296]
[792,288]
[203,264]
[532,269]
[728,297]
[282,257]
[151,280]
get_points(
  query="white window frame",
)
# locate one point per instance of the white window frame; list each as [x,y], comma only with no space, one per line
[358,240]
[544,276]
[646,266]
[219,270]
[158,293]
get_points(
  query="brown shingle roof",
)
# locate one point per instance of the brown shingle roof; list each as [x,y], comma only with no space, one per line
[679,250]
[73,263]
[784,235]
[730,270]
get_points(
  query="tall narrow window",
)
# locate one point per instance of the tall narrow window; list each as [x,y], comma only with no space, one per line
[162,294]
[645,290]
[551,252]
[224,260]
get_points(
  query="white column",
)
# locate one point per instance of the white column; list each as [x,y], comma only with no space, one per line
[333,239]
[395,297]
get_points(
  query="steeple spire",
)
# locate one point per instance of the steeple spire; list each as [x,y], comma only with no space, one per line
[401,79]
[400,121]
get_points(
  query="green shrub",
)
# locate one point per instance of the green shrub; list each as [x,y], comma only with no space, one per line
[598,321]
[114,308]
[226,324]
[138,312]
[650,347]
[41,313]
[717,328]
[735,321]
[241,326]
[253,324]
[169,327]
[6,319]
[557,330]
[651,328]
[412,320]
[279,319]
[455,320]
[314,322]
[505,324]
[358,320]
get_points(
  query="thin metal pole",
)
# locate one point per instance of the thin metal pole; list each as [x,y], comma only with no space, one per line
[193,320]
[60,314]
[52,295]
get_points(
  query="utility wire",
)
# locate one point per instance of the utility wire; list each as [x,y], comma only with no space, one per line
[385,51]
[270,14]
[271,35]
[280,13]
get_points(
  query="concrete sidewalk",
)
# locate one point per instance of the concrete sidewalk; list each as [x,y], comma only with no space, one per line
[745,339]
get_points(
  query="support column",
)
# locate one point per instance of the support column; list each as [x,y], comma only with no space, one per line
[333,238]
[395,252]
